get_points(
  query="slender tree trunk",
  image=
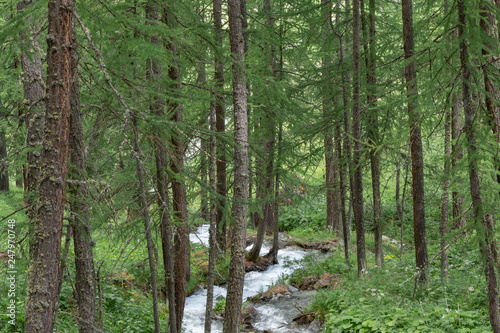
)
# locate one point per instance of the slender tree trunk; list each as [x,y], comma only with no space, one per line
[422,261]
[239,213]
[154,74]
[269,128]
[356,133]
[84,261]
[445,197]
[181,236]
[457,154]
[4,170]
[45,247]
[220,127]
[373,136]
[327,110]
[484,231]
[213,223]
[147,223]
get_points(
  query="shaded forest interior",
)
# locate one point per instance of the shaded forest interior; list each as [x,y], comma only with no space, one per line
[367,129]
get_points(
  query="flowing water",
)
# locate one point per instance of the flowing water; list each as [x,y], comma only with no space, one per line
[270,317]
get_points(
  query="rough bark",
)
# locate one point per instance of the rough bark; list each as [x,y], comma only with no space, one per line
[78,191]
[239,211]
[422,261]
[45,247]
[356,134]
[483,226]
[34,107]
[154,74]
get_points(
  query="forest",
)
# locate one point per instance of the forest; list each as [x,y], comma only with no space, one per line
[249,166]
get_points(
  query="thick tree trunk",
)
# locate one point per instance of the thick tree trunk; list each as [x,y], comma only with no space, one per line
[356,133]
[45,247]
[483,226]
[422,261]
[84,261]
[239,213]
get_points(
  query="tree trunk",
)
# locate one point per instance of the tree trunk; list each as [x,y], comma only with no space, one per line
[45,247]
[34,109]
[4,170]
[239,213]
[482,225]
[422,261]
[220,127]
[157,107]
[212,251]
[78,191]
[445,196]
[327,111]
[181,237]
[269,128]
[457,154]
[491,68]
[373,136]
[356,134]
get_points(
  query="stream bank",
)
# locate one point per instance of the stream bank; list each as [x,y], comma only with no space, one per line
[271,314]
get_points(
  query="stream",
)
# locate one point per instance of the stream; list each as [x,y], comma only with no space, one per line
[271,317]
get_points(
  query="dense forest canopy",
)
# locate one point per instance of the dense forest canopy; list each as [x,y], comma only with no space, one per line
[370,124]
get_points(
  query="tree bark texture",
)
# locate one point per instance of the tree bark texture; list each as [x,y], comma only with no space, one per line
[356,134]
[45,246]
[34,107]
[78,191]
[422,261]
[239,211]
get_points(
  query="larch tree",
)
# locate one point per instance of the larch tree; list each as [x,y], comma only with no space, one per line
[422,261]
[179,203]
[356,134]
[240,196]
[45,245]
[79,202]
